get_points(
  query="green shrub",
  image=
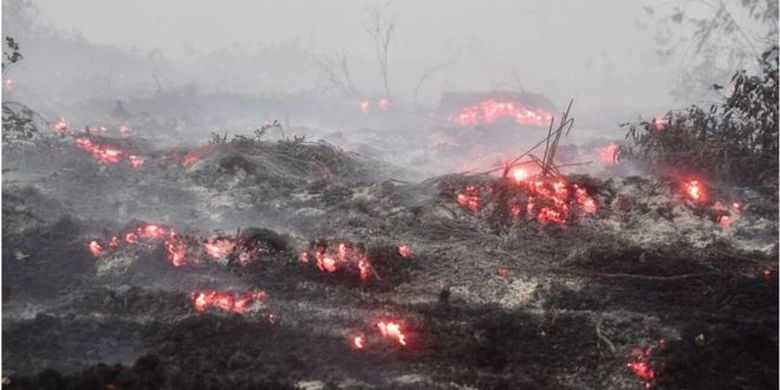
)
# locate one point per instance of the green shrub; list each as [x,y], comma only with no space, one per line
[735,141]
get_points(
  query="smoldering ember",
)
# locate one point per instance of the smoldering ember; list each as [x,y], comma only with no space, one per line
[409,195]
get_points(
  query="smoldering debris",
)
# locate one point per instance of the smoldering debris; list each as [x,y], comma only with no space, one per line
[264,257]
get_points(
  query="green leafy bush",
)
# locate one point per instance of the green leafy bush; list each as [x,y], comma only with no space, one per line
[735,141]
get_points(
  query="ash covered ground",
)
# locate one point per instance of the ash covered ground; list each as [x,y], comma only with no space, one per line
[371,195]
[253,262]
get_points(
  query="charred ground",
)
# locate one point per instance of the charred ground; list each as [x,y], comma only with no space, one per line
[488,296]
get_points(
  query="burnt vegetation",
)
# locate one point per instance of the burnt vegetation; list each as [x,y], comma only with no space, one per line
[281,262]
[735,141]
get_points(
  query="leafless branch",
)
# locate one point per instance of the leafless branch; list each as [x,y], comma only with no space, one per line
[380,27]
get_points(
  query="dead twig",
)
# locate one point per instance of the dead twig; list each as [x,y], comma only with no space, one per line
[634,276]
[604,339]
[548,166]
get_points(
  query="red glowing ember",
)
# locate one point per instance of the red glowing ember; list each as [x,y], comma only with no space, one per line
[344,256]
[343,250]
[219,248]
[392,330]
[587,202]
[303,257]
[359,341]
[152,231]
[724,220]
[544,199]
[494,109]
[104,154]
[659,123]
[95,248]
[61,126]
[114,243]
[404,250]
[246,257]
[547,214]
[608,154]
[8,84]
[519,174]
[642,370]
[176,251]
[503,272]
[326,263]
[135,161]
[123,130]
[767,274]
[384,104]
[695,191]
[365,106]
[225,301]
[190,158]
[469,198]
[640,364]
[365,268]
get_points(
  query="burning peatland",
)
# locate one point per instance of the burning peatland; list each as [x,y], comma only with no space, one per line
[293,263]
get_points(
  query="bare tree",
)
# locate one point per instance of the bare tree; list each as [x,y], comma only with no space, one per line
[715,39]
[427,74]
[334,73]
[380,26]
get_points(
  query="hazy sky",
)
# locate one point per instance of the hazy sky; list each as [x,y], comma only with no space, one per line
[514,28]
[566,47]
[602,52]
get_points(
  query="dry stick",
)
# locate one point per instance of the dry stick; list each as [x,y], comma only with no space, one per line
[374,271]
[537,160]
[554,147]
[603,338]
[549,134]
[513,162]
[633,276]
